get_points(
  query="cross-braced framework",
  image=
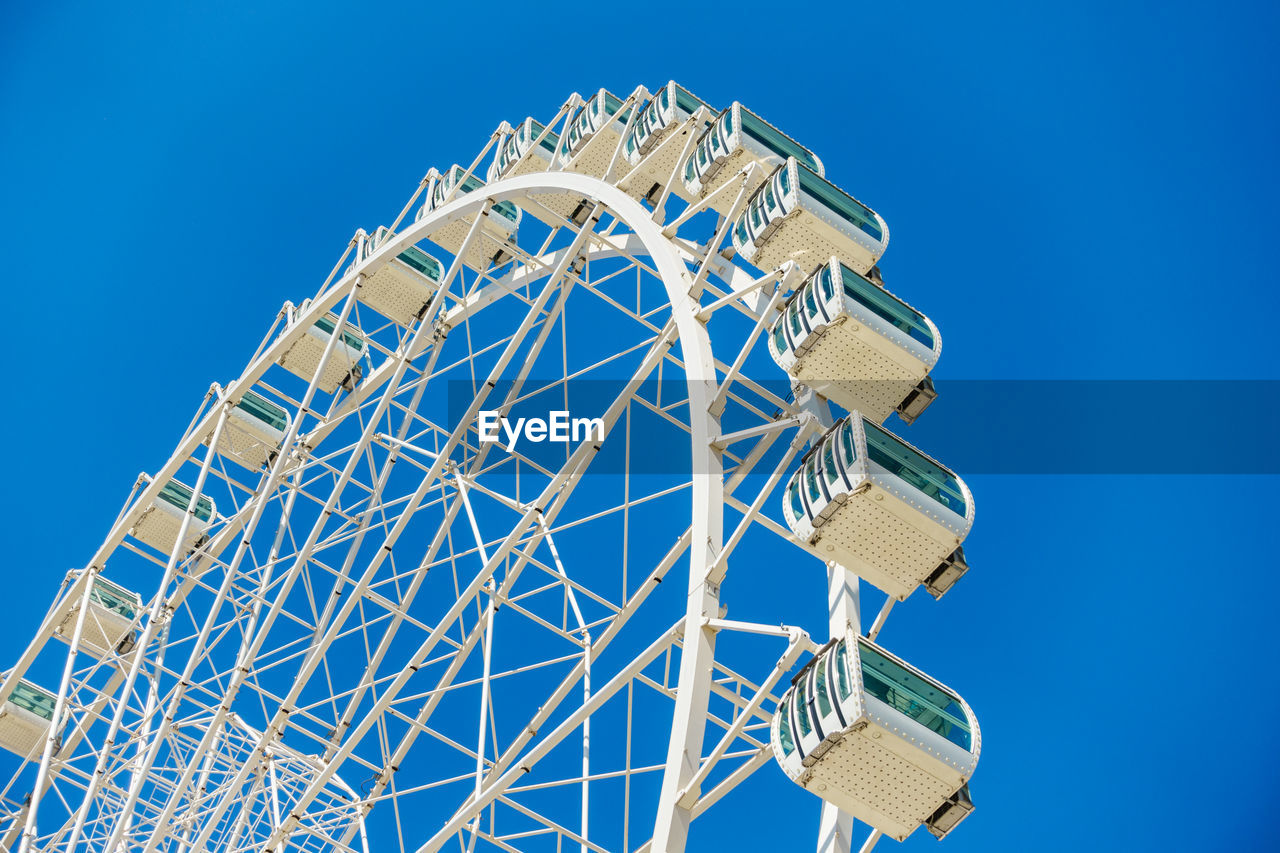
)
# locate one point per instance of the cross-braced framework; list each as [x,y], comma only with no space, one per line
[379,630]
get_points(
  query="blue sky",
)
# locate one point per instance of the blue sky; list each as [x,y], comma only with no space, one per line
[1075,191]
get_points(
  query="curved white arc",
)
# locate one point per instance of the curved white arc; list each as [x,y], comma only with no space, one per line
[693,690]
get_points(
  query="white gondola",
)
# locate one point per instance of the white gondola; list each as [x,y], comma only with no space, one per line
[530,147]
[879,739]
[159,523]
[25,719]
[798,215]
[594,134]
[657,139]
[736,138]
[857,344]
[497,229]
[343,368]
[874,504]
[253,431]
[402,287]
[109,624]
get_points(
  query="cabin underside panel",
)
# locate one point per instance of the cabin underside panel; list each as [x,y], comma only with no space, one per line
[868,538]
[303,358]
[807,240]
[102,633]
[245,445]
[657,167]
[22,732]
[159,529]
[488,243]
[396,292]
[867,780]
[730,168]
[847,367]
[554,208]
[596,153]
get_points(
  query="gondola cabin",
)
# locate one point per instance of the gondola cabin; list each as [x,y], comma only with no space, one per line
[500,223]
[736,138]
[529,147]
[109,624]
[160,522]
[657,139]
[877,506]
[25,719]
[798,215]
[253,432]
[594,134]
[879,739]
[857,344]
[343,367]
[402,287]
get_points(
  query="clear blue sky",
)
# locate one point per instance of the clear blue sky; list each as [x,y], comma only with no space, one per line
[1081,190]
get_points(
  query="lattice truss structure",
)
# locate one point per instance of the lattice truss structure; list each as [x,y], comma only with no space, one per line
[337,619]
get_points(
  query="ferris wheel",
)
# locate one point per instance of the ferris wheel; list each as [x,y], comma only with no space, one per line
[450,564]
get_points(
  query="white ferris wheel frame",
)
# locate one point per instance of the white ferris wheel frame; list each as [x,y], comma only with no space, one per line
[687,768]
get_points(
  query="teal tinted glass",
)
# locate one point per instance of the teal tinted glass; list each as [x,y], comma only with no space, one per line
[811,480]
[422,262]
[820,688]
[507,210]
[33,699]
[265,411]
[549,141]
[780,335]
[829,462]
[922,700]
[810,304]
[793,495]
[326,325]
[784,728]
[824,281]
[885,305]
[802,709]
[775,140]
[686,101]
[847,445]
[908,465]
[114,598]
[179,495]
[840,203]
[843,682]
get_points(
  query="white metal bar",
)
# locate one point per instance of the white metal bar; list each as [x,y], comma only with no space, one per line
[881,618]
[60,709]
[798,642]
[495,789]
